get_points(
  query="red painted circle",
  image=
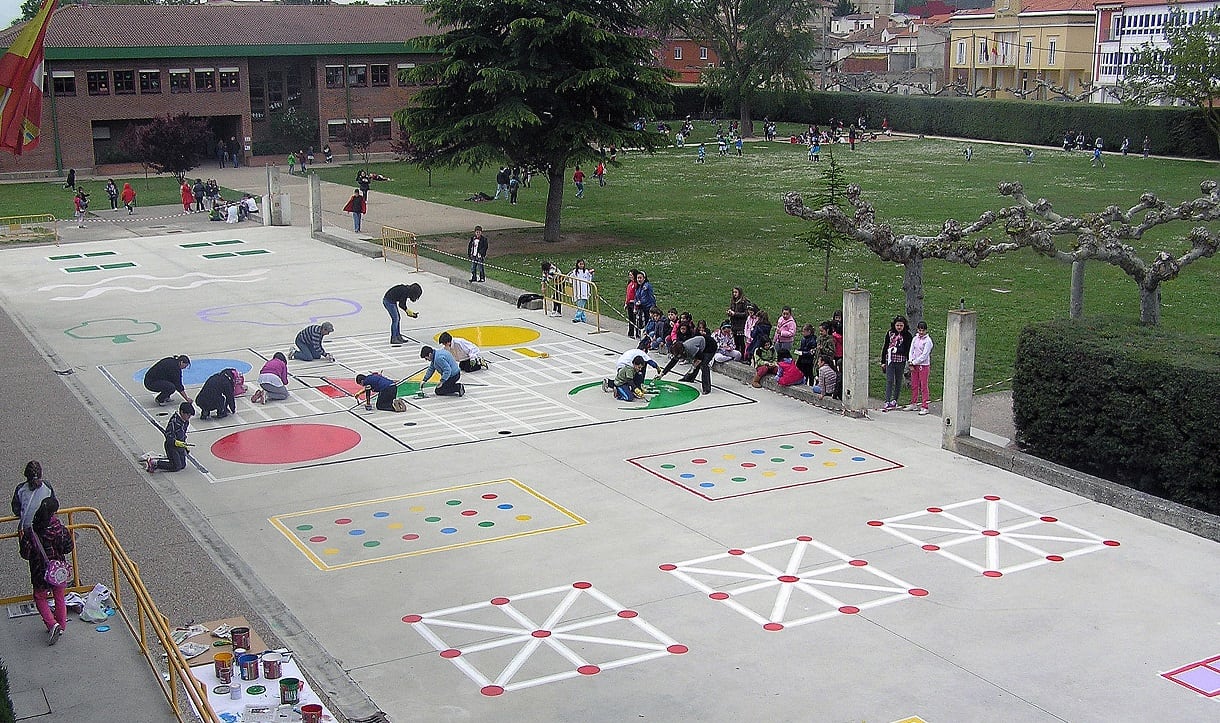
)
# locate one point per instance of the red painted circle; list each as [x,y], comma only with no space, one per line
[667,567]
[450,653]
[490,496]
[1110,543]
[677,649]
[317,538]
[412,618]
[991,533]
[491,690]
[1055,558]
[788,578]
[698,461]
[935,509]
[627,613]
[588,670]
[499,601]
[858,563]
[800,469]
[410,536]
[773,626]
[918,592]
[469,513]
[804,538]
[875,523]
[931,548]
[541,633]
[735,551]
[849,609]
[719,596]
[285,443]
[992,573]
[815,441]
[343,521]
[991,498]
[1048,518]
[582,585]
[748,465]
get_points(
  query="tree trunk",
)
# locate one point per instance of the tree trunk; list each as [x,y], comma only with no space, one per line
[912,287]
[1076,297]
[747,122]
[1150,304]
[554,202]
[826,272]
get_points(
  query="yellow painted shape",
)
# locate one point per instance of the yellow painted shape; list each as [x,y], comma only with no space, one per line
[730,456]
[830,464]
[330,551]
[495,335]
[394,526]
[912,719]
[524,518]
[416,508]
[835,450]
[526,351]
[717,470]
[769,473]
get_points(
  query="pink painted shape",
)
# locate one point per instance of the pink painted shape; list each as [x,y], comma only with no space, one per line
[285,443]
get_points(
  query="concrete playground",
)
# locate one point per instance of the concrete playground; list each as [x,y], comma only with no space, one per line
[535,550]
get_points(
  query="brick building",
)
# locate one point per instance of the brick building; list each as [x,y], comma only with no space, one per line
[237,65]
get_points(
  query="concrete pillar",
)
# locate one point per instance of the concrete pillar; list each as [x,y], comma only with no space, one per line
[959,375]
[315,203]
[275,207]
[856,357]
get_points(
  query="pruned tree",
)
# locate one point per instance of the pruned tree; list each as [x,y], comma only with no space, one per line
[910,250]
[824,238]
[358,138]
[169,144]
[1103,236]
[407,151]
[538,85]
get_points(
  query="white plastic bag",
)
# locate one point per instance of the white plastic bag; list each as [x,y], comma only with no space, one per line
[96,603]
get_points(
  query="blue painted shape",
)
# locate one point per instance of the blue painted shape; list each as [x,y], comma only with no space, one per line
[448,530]
[806,454]
[758,451]
[686,475]
[268,313]
[857,459]
[706,484]
[355,532]
[504,506]
[200,369]
[381,514]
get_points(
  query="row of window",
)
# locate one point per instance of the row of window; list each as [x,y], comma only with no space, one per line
[1115,63]
[363,76]
[125,82]
[678,53]
[381,128]
[990,52]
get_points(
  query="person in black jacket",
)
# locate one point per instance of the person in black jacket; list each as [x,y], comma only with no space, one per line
[477,252]
[217,395]
[894,352]
[396,297]
[165,378]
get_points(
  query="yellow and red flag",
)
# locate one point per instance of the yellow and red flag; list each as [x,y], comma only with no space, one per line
[21,70]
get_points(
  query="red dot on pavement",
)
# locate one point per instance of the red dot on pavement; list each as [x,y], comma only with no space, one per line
[991,533]
[698,461]
[499,601]
[875,523]
[800,469]
[541,633]
[788,578]
[627,613]
[667,567]
[991,498]
[491,690]
[804,538]
[677,649]
[317,538]
[931,548]
[858,563]
[935,509]
[469,513]
[588,670]
[737,552]
[410,536]
[1055,558]
[343,521]
[450,653]
[582,585]
[490,496]
[412,618]
[719,596]
[773,626]
[849,609]
[1048,518]
[917,592]
[1110,543]
[748,465]
[992,573]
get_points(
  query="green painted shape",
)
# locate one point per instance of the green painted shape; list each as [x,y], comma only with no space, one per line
[665,394]
[486,524]
[91,254]
[304,528]
[65,257]
[228,242]
[79,269]
[372,543]
[195,245]
[225,255]
[118,330]
[253,252]
[432,519]
[121,265]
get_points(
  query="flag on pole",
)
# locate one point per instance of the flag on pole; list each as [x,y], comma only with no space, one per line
[21,70]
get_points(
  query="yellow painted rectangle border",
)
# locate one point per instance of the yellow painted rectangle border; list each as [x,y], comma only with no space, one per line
[279,521]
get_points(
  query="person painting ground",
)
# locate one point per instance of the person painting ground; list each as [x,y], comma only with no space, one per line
[396,297]
[467,355]
[386,389]
[309,343]
[442,362]
[165,378]
[217,395]
[175,442]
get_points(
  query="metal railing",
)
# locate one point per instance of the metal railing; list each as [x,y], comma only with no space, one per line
[133,603]
[35,227]
[399,241]
[561,289]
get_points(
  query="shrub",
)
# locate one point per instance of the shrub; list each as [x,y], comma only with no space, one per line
[1122,401]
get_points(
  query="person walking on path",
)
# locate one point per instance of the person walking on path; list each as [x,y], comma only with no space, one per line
[129,198]
[112,192]
[41,538]
[477,252]
[578,178]
[396,297]
[309,342]
[357,206]
[80,207]
[363,181]
[188,197]
[165,378]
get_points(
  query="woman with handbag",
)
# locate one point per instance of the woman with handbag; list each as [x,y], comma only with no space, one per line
[44,542]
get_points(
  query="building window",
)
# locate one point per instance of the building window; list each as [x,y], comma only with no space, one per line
[381,129]
[99,82]
[961,53]
[334,76]
[357,76]
[258,102]
[124,82]
[403,69]
[702,53]
[1051,50]
[677,53]
[292,87]
[150,81]
[205,80]
[229,79]
[336,130]
[63,82]
[179,81]
[379,75]
[1029,51]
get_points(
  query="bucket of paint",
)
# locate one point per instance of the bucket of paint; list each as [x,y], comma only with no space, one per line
[248,665]
[290,691]
[272,665]
[311,713]
[224,667]
[241,637]
[235,691]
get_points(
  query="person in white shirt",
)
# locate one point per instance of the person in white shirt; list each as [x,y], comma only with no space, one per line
[921,363]
[464,352]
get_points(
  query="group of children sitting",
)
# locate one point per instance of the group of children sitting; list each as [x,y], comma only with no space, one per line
[233,211]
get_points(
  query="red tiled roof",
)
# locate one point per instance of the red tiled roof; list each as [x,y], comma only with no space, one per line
[1036,6]
[1142,3]
[119,26]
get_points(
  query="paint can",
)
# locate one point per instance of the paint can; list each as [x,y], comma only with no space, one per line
[272,665]
[290,691]
[248,666]
[235,691]
[241,637]
[311,713]
[224,666]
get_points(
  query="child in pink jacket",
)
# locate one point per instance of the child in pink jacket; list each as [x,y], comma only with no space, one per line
[785,331]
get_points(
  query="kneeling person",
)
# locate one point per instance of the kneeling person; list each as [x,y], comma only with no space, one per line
[217,395]
[442,362]
[468,356]
[627,381]
[386,388]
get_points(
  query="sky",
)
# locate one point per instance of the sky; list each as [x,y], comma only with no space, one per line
[10,10]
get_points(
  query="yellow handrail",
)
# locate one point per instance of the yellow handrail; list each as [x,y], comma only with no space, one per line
[144,616]
[398,241]
[561,289]
[32,226]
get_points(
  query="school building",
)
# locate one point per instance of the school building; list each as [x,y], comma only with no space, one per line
[237,65]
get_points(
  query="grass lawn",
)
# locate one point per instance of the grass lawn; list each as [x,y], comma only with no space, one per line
[700,229]
[24,199]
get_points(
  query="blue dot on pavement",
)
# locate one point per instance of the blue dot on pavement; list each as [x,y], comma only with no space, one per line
[806,454]
[448,530]
[686,475]
[504,507]
[758,451]
[706,484]
[857,459]
[381,514]
[355,532]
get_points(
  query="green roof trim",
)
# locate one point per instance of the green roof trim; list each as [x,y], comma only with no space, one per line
[152,52]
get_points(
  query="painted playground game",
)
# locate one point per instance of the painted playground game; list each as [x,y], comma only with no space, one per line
[536,550]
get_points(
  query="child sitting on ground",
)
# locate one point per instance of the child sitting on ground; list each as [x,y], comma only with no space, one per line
[764,361]
[827,380]
[655,330]
[627,385]
[726,346]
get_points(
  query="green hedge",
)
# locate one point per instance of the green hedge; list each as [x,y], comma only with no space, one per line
[7,715]
[1173,131]
[1129,403]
